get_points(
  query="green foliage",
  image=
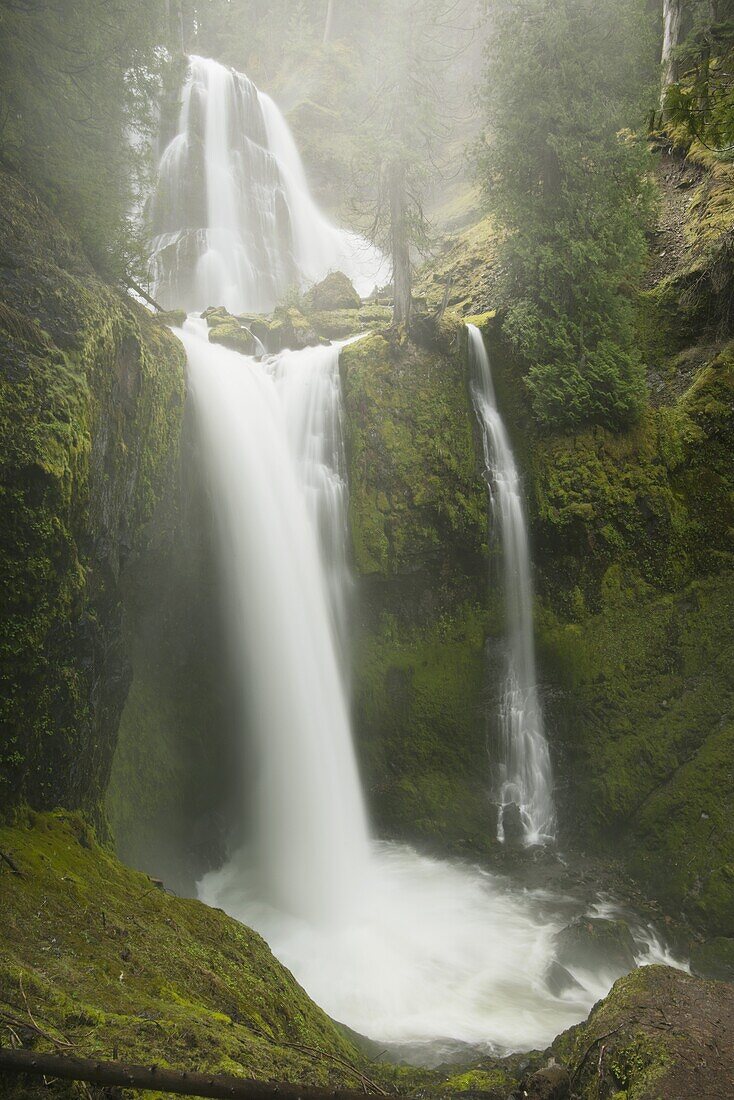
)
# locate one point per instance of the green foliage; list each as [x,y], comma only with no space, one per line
[699,104]
[568,190]
[78,86]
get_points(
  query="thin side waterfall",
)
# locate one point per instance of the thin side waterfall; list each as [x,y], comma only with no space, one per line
[523,765]
[233,220]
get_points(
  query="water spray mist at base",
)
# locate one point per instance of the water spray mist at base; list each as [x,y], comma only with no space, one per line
[427,954]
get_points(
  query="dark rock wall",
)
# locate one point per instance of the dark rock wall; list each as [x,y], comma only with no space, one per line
[91,401]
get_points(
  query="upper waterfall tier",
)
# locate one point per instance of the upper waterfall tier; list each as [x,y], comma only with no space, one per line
[234,222]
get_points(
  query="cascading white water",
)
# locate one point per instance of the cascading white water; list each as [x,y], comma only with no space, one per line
[270,433]
[233,217]
[523,761]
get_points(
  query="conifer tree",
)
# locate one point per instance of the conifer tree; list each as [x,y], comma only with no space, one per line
[568,191]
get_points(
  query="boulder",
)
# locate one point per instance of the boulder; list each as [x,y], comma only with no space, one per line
[558,980]
[290,329]
[512,825]
[333,292]
[714,959]
[594,943]
[231,334]
[659,1033]
[259,326]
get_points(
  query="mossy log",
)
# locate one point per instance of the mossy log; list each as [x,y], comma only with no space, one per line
[179,1082]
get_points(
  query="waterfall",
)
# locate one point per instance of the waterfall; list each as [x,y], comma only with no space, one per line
[233,219]
[424,953]
[398,946]
[523,765]
[271,436]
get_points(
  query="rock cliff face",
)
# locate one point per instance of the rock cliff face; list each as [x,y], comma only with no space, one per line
[418,522]
[91,401]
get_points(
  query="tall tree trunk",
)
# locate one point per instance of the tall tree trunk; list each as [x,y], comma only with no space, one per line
[400,245]
[672,18]
[329,24]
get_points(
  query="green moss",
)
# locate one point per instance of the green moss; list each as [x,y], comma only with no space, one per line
[415,488]
[462,275]
[644,702]
[231,334]
[112,962]
[90,409]
[603,500]
[420,707]
[478,1081]
[335,292]
[174,318]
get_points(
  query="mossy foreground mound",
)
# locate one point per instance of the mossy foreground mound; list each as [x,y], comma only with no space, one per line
[103,958]
[659,1035]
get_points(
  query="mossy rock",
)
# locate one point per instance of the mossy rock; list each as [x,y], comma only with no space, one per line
[258,325]
[414,469]
[173,318]
[492,1084]
[463,275]
[596,944]
[642,697]
[215,315]
[335,292]
[645,1040]
[233,335]
[336,324]
[289,328]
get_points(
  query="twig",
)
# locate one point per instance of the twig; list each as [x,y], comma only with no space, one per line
[11,864]
[362,1077]
[62,1042]
[592,1044]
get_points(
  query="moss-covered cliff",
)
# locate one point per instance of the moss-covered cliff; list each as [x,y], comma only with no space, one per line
[418,524]
[175,772]
[91,400]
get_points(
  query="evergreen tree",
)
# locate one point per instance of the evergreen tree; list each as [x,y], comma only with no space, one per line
[78,87]
[413,43]
[698,85]
[568,191]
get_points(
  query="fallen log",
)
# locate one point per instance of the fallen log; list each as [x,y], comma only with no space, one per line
[180,1082]
[144,294]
